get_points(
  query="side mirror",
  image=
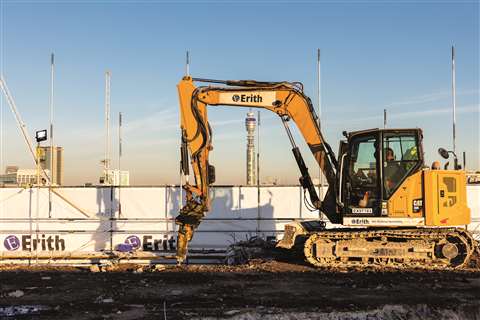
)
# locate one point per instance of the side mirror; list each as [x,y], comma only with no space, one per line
[443,153]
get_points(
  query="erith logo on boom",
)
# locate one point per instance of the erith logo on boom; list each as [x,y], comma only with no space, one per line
[247,98]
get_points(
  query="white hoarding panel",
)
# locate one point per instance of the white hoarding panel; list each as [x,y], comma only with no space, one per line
[92,202]
[16,203]
[79,221]
[280,202]
[141,202]
[227,203]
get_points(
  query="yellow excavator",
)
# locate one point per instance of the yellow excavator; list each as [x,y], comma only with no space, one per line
[390,209]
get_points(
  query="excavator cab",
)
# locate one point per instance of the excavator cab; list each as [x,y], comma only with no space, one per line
[373,164]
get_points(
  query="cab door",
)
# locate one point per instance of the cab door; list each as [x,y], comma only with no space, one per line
[362,186]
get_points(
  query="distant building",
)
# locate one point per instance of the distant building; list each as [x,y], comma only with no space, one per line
[116,178]
[11,169]
[28,176]
[57,163]
[10,176]
[8,179]
[21,177]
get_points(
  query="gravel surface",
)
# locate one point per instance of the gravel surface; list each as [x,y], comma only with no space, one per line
[259,289]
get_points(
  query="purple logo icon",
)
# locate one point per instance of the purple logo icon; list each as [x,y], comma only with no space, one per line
[12,243]
[134,241]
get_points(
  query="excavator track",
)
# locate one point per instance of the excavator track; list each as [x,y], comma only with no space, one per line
[429,248]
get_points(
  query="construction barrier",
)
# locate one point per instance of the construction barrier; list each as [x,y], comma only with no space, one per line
[94,224]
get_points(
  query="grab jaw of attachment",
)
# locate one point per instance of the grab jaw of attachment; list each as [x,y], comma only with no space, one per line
[188,220]
[185,234]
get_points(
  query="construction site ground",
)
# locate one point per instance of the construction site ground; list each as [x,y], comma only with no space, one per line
[258,289]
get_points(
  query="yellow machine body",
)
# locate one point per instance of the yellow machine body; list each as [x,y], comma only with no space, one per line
[446,198]
[439,196]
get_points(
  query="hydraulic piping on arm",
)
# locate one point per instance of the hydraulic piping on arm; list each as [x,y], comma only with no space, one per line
[305,179]
[286,99]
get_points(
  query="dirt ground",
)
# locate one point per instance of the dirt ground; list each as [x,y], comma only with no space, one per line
[260,289]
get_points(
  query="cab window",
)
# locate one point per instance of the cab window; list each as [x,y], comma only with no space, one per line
[400,157]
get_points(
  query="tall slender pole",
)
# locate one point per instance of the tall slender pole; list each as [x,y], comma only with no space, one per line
[187,64]
[453,98]
[37,229]
[119,163]
[119,141]
[319,99]
[106,166]
[52,172]
[52,75]
[384,118]
[2,69]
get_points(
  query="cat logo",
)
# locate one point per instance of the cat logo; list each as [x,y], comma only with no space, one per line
[417,205]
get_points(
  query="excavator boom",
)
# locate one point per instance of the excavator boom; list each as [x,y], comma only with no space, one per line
[286,99]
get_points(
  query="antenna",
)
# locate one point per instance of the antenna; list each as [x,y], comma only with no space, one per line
[187,64]
[384,118]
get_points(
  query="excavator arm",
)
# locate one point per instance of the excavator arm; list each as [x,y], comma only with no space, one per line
[286,99]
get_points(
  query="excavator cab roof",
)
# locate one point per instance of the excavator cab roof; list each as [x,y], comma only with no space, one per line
[393,130]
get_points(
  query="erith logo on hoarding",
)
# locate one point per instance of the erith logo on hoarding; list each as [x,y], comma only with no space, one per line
[33,243]
[247,98]
[151,244]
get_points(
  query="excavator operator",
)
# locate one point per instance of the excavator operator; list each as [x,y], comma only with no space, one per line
[393,170]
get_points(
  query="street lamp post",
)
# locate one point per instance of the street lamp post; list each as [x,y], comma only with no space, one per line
[39,137]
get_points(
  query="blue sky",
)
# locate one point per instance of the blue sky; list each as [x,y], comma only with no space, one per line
[375,55]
